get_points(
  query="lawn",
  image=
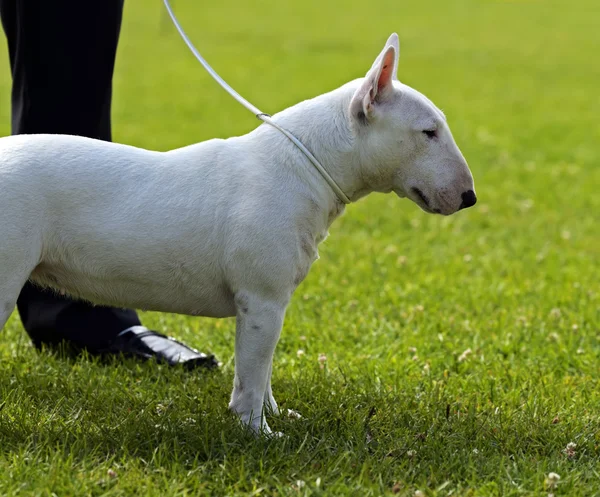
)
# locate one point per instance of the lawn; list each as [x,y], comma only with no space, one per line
[451,356]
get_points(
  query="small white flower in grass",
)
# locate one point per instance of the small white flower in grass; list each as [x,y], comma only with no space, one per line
[526,204]
[522,320]
[390,249]
[580,351]
[318,482]
[412,350]
[465,355]
[303,338]
[322,360]
[552,480]
[570,450]
[415,357]
[111,473]
[418,493]
[554,337]
[411,453]
[555,313]
[300,353]
[426,368]
[475,451]
[575,327]
[293,414]
[300,484]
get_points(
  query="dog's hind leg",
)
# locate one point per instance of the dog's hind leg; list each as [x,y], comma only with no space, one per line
[5,312]
[9,292]
[258,327]
[15,268]
[10,287]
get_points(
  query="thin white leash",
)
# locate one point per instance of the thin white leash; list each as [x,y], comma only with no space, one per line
[257,112]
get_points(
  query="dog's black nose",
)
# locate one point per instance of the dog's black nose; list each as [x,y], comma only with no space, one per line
[468,199]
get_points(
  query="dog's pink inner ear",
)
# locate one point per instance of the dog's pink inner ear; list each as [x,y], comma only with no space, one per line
[387,70]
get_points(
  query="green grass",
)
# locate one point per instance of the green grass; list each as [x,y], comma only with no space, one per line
[397,296]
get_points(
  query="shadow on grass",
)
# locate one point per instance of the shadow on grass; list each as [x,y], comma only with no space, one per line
[87,410]
[115,407]
[90,407]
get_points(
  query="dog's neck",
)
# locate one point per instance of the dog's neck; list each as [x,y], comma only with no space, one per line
[323,125]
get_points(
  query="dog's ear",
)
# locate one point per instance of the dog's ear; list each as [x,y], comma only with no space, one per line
[378,81]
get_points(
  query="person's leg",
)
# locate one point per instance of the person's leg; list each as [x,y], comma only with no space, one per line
[62,56]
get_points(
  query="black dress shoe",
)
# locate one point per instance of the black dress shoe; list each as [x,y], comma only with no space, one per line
[140,342]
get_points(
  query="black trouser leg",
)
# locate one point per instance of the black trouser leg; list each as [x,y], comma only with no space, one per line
[62,55]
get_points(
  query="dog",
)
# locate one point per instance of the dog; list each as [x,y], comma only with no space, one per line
[222,228]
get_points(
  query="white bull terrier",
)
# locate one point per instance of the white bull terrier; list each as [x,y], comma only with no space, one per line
[224,227]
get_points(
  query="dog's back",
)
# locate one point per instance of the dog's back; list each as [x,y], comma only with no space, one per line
[105,222]
[65,202]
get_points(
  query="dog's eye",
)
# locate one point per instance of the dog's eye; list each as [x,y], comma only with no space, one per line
[431,133]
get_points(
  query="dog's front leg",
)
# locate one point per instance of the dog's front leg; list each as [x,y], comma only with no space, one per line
[271,405]
[269,401]
[258,327]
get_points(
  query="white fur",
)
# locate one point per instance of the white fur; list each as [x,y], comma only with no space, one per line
[224,227]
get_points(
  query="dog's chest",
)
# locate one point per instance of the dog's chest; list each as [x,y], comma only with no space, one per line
[308,244]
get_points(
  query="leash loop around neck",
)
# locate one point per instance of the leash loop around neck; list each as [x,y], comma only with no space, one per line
[256,111]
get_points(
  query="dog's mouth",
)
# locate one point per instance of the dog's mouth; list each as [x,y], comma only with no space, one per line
[423,201]
[421,196]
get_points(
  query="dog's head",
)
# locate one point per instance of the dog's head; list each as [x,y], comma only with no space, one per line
[405,141]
